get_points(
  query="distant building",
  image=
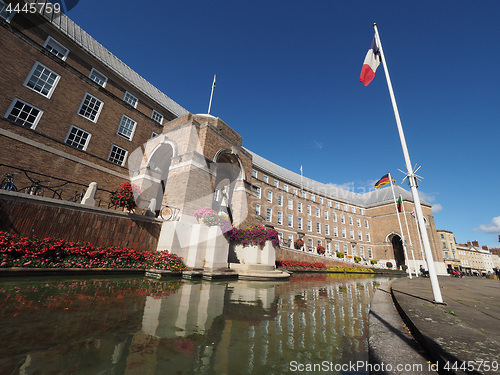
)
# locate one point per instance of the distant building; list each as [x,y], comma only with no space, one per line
[72,110]
[449,250]
[475,260]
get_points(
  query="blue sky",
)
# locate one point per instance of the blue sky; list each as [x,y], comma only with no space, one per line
[287,82]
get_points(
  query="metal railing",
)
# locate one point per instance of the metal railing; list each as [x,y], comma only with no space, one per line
[40,184]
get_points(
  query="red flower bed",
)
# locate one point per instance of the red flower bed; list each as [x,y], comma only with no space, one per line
[18,251]
[291,264]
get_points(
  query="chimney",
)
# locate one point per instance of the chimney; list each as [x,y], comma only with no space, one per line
[475,243]
[468,243]
[485,247]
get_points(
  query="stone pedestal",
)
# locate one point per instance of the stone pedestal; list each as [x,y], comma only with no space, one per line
[199,245]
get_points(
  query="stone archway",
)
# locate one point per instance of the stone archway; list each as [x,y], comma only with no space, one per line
[158,166]
[397,247]
[229,175]
[149,167]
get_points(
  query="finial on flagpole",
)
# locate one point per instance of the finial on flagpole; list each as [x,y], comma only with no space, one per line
[374,24]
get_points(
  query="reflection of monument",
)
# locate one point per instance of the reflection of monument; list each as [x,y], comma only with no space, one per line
[223,327]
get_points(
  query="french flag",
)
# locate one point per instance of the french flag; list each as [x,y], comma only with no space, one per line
[371,63]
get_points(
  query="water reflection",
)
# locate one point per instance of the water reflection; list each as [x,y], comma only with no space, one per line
[136,325]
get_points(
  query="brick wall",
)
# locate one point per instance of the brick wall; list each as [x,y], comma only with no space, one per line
[43,217]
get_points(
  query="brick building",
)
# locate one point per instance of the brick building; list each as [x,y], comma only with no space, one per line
[72,110]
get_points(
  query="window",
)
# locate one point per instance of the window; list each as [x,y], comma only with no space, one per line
[329,203]
[127,127]
[361,251]
[366,224]
[300,223]
[259,192]
[351,234]
[442,236]
[334,216]
[4,13]
[98,77]
[309,226]
[344,233]
[444,245]
[326,214]
[313,197]
[370,253]
[295,191]
[337,205]
[310,244]
[299,207]
[351,222]
[24,114]
[130,99]
[42,80]
[290,220]
[157,116]
[270,196]
[304,195]
[345,249]
[78,138]
[342,219]
[318,212]
[345,207]
[446,255]
[337,247]
[117,155]
[265,179]
[280,238]
[290,204]
[269,214]
[90,107]
[280,200]
[254,173]
[56,48]
[358,223]
[327,229]
[336,231]
[257,209]
[280,218]
[360,235]
[285,187]
[328,247]
[361,211]
[320,200]
[318,227]
[308,209]
[154,135]
[353,250]
[353,210]
[290,240]
[276,183]
[367,237]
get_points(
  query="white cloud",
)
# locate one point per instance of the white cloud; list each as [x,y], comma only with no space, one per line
[493,227]
[436,208]
[427,197]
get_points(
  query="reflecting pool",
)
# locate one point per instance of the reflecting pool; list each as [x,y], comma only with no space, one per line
[135,325]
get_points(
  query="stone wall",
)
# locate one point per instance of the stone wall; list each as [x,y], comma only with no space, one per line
[299,256]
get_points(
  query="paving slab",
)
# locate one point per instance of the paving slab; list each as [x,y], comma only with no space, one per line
[462,336]
[392,349]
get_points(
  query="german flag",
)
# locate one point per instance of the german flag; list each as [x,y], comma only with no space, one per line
[382,182]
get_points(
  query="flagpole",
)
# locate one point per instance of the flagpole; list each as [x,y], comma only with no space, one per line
[413,182]
[301,181]
[420,241]
[409,237]
[211,95]
[400,227]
